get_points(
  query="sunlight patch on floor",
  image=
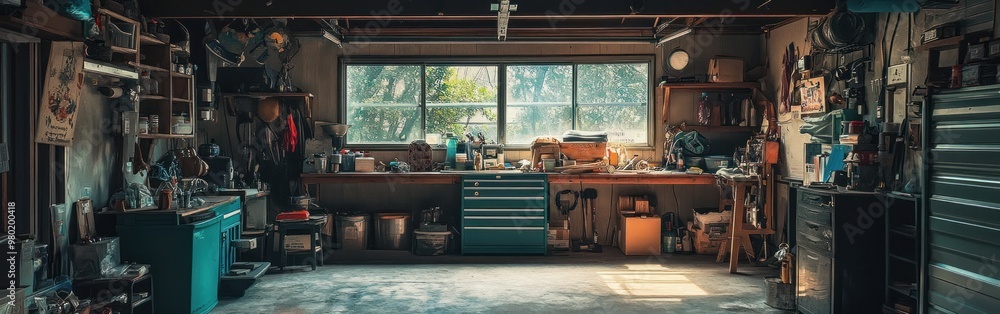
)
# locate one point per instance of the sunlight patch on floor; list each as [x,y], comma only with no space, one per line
[650,282]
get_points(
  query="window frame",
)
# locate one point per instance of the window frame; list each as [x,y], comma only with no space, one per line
[501,63]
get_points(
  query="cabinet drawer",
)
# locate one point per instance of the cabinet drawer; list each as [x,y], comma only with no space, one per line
[818,214]
[814,287]
[505,176]
[503,221]
[504,212]
[814,236]
[499,202]
[521,191]
[503,236]
[814,199]
[503,183]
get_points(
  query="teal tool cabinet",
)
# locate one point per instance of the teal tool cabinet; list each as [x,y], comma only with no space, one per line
[505,213]
[186,258]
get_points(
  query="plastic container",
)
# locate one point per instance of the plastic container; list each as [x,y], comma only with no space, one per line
[429,243]
[714,163]
[352,233]
[392,231]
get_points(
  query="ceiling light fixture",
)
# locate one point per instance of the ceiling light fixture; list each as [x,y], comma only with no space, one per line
[503,10]
[675,35]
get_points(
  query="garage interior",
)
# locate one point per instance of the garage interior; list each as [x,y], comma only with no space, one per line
[259,156]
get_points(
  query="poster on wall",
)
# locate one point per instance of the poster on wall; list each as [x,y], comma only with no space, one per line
[61,94]
[813,95]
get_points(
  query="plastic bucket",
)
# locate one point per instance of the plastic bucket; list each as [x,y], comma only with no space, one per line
[431,242]
[352,233]
[392,231]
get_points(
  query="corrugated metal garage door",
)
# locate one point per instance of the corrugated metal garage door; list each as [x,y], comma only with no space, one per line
[963,222]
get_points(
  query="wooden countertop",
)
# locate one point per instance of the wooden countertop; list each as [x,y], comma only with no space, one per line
[554,178]
[210,202]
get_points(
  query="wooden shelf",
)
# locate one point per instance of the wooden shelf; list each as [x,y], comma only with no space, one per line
[947,43]
[147,39]
[180,75]
[165,136]
[152,97]
[183,100]
[114,15]
[148,67]
[123,50]
[712,86]
[266,95]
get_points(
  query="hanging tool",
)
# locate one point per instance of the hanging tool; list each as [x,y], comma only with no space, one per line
[588,242]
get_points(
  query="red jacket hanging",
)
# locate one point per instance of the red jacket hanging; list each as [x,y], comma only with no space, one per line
[291,135]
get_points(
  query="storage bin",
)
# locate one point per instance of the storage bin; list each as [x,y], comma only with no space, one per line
[352,233]
[391,231]
[584,151]
[714,163]
[364,164]
[430,243]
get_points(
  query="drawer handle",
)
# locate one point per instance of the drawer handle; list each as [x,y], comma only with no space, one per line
[476,184]
[476,193]
[812,226]
[812,257]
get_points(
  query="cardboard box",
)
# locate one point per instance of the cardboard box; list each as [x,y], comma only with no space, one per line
[714,224]
[558,234]
[725,69]
[640,235]
[704,244]
[559,244]
[297,242]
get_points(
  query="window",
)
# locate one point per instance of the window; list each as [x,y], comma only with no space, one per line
[383,104]
[462,99]
[397,103]
[539,101]
[614,98]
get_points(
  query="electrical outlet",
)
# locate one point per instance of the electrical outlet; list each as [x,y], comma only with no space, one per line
[897,74]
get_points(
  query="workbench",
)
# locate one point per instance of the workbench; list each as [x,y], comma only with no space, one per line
[553,178]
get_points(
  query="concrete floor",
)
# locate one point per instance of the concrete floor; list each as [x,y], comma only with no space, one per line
[609,282]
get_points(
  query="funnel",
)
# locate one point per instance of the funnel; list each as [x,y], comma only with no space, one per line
[338,132]
[336,129]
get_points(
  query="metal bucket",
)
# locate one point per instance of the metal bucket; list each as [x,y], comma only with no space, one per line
[392,231]
[352,233]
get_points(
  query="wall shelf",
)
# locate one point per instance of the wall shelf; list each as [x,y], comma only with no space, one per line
[165,136]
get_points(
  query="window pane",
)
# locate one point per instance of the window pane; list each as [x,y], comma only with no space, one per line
[614,98]
[383,103]
[462,99]
[539,101]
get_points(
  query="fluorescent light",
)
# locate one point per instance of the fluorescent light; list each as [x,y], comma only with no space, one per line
[105,69]
[332,38]
[675,35]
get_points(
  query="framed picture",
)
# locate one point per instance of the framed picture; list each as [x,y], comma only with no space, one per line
[61,94]
[813,95]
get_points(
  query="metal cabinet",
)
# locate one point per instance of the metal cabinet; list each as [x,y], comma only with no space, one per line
[504,214]
[186,258]
[840,246]
[960,223]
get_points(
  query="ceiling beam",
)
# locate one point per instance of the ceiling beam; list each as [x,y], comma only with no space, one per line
[463,9]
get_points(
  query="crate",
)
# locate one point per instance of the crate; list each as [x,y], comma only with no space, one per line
[705,244]
[584,151]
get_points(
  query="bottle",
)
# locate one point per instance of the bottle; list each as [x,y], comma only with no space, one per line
[452,143]
[669,234]
[686,242]
[166,199]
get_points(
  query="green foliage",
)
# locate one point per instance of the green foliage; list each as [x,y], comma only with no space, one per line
[383,101]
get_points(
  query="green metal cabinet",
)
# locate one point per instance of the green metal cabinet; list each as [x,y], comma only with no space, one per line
[504,214]
[186,258]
